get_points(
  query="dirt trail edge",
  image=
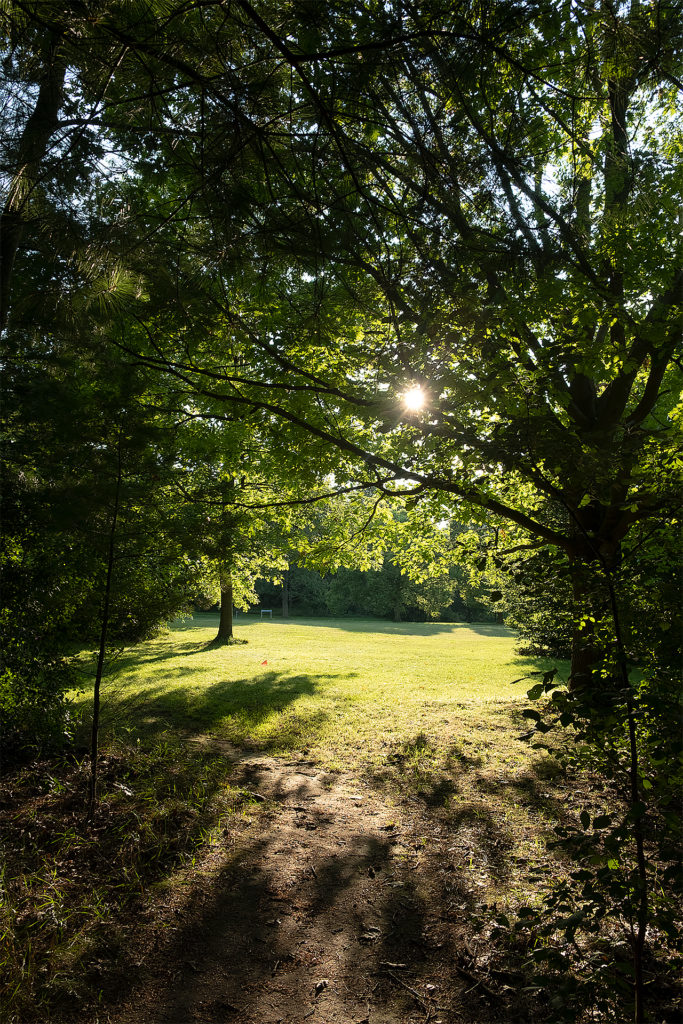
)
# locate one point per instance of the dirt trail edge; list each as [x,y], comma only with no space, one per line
[329,908]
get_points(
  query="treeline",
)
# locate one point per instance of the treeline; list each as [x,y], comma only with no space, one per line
[384,593]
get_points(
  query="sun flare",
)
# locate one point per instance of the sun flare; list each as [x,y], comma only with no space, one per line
[414,399]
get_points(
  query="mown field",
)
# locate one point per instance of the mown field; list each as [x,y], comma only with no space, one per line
[341,690]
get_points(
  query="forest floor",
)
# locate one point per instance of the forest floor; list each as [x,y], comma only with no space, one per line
[330,905]
[292,841]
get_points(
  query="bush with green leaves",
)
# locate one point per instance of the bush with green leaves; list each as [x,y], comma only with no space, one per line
[613,924]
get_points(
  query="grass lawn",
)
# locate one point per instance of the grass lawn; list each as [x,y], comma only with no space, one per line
[420,712]
[418,721]
[342,690]
[422,718]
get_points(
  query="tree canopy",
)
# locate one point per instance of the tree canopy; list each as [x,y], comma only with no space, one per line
[305,213]
[301,215]
[479,201]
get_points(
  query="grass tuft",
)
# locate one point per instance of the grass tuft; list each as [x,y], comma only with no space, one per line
[70,889]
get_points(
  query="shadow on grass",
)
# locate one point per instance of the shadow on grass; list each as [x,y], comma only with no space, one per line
[254,712]
[479,811]
[206,620]
[156,808]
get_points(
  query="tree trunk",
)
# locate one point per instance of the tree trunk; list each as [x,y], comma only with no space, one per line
[285,594]
[94,736]
[586,653]
[225,624]
[31,150]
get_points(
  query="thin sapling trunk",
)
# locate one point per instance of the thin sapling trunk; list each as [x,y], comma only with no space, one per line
[285,594]
[94,738]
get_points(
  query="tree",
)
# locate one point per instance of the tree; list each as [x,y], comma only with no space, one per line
[87,92]
[480,205]
[92,549]
[306,592]
[244,504]
[494,227]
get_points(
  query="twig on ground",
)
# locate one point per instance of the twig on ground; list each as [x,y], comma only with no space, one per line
[477,982]
[416,995]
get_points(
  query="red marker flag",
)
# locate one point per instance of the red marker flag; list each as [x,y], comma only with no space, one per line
[264,662]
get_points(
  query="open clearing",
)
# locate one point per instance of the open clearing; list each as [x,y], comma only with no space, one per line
[315,825]
[344,691]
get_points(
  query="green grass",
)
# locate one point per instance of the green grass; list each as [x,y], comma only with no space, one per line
[424,713]
[341,690]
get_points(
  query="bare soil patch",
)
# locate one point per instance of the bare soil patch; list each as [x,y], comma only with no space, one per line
[331,905]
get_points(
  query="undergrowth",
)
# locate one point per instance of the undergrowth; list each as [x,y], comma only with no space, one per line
[70,890]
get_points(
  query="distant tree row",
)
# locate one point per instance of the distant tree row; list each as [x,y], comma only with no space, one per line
[384,593]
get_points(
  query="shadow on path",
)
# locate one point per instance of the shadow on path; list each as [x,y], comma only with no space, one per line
[328,912]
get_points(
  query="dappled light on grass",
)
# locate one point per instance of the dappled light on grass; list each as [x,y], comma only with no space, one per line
[336,686]
[367,765]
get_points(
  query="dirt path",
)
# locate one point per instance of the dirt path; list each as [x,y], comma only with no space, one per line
[330,909]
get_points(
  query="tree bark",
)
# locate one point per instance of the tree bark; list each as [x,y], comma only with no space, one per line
[31,150]
[225,624]
[285,594]
[586,653]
